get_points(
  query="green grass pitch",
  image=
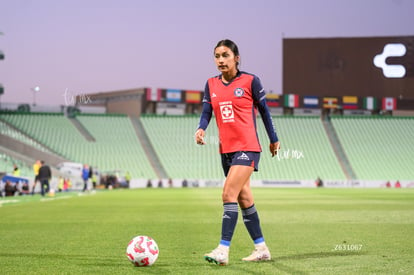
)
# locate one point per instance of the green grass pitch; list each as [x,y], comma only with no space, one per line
[309,231]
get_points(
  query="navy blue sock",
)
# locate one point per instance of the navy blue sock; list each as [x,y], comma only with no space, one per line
[229,222]
[252,223]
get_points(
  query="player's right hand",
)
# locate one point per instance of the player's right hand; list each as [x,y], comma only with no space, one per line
[199,137]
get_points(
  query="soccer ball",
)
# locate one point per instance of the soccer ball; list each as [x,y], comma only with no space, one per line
[142,251]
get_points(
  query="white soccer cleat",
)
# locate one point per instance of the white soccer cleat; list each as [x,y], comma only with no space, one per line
[219,256]
[259,254]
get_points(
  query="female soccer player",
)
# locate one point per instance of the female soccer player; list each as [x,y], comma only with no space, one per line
[234,96]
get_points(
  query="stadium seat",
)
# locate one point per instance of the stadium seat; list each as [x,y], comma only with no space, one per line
[116,146]
[173,140]
[378,148]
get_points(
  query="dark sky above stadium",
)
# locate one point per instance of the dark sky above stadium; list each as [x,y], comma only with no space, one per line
[102,45]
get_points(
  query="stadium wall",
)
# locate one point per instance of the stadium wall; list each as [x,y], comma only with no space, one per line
[199,183]
[77,184]
[129,102]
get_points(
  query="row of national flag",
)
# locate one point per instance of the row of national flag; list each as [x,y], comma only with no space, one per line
[344,102]
[173,95]
[287,100]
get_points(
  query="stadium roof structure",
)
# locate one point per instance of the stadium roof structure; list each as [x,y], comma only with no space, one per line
[127,102]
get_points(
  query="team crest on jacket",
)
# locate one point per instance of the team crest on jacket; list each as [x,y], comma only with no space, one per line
[238,92]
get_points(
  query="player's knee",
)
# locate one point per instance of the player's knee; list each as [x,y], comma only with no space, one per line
[245,202]
[227,196]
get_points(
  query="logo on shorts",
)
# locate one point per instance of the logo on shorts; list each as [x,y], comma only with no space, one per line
[238,92]
[243,156]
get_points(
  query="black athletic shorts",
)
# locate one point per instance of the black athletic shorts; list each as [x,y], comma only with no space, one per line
[240,158]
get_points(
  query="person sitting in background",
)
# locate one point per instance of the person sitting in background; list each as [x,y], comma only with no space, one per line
[319,182]
[17,188]
[10,189]
[184,183]
[127,178]
[60,184]
[67,185]
[25,189]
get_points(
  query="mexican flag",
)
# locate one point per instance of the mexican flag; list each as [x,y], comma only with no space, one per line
[370,103]
[291,101]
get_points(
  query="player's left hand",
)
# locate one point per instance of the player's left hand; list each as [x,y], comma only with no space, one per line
[199,137]
[274,148]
